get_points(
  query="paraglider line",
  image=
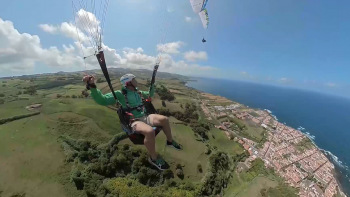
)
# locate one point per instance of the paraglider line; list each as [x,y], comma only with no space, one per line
[73,5]
[88,25]
[90,55]
[76,28]
[104,19]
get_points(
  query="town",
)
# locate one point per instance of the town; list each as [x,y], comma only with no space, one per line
[288,151]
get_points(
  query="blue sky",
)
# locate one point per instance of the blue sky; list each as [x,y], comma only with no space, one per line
[302,44]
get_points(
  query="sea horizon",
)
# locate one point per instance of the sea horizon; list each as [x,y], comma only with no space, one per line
[272,85]
[298,108]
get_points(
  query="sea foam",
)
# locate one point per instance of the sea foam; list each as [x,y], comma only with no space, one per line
[270,112]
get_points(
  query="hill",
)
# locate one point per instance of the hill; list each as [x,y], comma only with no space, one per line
[67,145]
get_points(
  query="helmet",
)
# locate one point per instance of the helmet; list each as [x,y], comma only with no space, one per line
[126,79]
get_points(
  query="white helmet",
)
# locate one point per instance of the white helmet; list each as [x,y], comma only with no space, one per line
[126,79]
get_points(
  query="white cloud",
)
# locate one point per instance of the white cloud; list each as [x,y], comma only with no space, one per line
[139,60]
[193,56]
[131,50]
[87,27]
[20,53]
[170,48]
[243,73]
[67,29]
[188,19]
[331,85]
[49,28]
[181,67]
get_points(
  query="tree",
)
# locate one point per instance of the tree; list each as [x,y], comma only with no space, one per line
[58,96]
[163,103]
[180,173]
[181,106]
[85,93]
[2,101]
[2,95]
[168,174]
[199,168]
[73,96]
[148,83]
[178,166]
[4,81]
[263,192]
[3,85]
[164,93]
[19,93]
[100,80]
[31,90]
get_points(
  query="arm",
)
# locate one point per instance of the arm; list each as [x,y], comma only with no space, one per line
[101,99]
[147,94]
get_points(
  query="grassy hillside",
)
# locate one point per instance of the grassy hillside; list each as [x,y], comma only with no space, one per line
[33,156]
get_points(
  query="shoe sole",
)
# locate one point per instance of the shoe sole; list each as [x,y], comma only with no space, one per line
[173,147]
[150,161]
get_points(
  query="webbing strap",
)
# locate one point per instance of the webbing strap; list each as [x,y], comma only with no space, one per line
[153,77]
[101,60]
[129,109]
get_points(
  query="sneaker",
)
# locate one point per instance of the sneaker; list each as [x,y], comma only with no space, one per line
[174,145]
[159,163]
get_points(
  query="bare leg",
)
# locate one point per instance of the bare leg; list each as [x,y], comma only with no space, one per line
[163,121]
[150,138]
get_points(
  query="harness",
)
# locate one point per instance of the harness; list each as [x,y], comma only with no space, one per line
[125,115]
[138,108]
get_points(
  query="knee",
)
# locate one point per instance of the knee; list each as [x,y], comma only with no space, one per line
[148,131]
[164,119]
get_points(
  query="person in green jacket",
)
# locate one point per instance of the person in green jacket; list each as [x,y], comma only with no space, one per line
[143,123]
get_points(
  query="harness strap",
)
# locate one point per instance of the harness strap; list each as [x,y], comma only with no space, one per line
[129,109]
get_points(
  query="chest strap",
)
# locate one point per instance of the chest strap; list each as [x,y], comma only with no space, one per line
[129,109]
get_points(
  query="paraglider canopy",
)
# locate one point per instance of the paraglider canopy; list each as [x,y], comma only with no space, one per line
[199,7]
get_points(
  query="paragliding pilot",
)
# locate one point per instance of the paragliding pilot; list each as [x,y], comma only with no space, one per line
[131,98]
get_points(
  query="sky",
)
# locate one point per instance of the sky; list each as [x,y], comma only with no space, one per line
[298,44]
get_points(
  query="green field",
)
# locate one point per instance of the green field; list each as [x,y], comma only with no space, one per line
[251,130]
[254,130]
[172,106]
[222,142]
[239,188]
[189,157]
[31,156]
[18,107]
[31,160]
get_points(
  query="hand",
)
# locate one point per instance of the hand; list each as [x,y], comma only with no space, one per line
[89,79]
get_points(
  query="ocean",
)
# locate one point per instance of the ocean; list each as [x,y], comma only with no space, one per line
[324,118]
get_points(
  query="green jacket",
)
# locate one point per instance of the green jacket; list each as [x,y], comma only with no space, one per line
[133,98]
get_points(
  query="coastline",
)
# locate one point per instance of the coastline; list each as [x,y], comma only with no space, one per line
[330,158]
[327,154]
